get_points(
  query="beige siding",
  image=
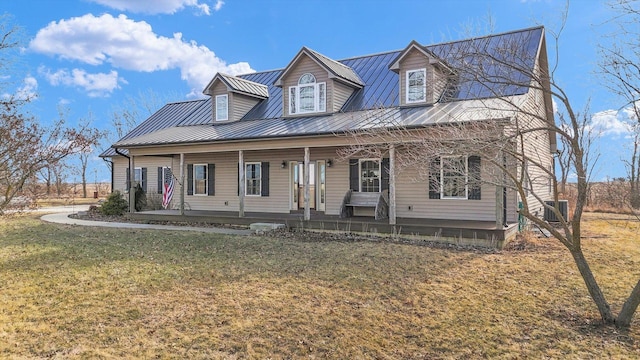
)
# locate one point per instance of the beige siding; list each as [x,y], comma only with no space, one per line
[341,94]
[238,105]
[241,105]
[302,66]
[538,149]
[435,78]
[412,201]
[226,177]
[220,89]
[120,165]
[412,194]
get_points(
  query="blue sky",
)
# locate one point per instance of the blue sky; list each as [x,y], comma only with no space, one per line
[89,55]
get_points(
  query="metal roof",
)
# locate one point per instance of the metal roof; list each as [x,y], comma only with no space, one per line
[381,91]
[168,116]
[245,86]
[338,69]
[458,111]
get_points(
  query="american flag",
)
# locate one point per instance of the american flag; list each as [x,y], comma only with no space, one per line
[167,191]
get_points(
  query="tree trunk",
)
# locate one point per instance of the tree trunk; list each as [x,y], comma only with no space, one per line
[629,307]
[84,184]
[592,286]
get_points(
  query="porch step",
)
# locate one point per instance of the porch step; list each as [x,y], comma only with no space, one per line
[264,227]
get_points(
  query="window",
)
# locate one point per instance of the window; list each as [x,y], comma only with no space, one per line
[308,96]
[252,176]
[416,86]
[369,175]
[454,177]
[222,107]
[137,176]
[200,179]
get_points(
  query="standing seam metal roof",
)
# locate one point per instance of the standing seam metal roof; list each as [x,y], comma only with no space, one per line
[246,86]
[381,90]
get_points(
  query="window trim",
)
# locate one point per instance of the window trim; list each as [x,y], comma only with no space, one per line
[246,188]
[466,178]
[318,105]
[379,161]
[226,115]
[206,180]
[135,171]
[424,86]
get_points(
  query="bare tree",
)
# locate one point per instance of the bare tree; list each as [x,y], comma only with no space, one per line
[86,151]
[511,157]
[619,65]
[27,146]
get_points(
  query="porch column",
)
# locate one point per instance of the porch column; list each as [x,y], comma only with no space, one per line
[241,183]
[392,184]
[307,195]
[131,184]
[182,180]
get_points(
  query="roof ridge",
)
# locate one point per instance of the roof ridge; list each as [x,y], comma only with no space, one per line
[328,58]
[485,36]
[182,102]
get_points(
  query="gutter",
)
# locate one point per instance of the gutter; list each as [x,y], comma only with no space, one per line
[121,153]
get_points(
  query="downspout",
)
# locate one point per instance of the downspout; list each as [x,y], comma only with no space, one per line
[110,162]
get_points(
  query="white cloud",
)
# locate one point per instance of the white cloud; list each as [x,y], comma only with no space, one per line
[158,6]
[96,85]
[610,122]
[131,45]
[28,88]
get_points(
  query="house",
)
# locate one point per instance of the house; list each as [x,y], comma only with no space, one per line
[268,142]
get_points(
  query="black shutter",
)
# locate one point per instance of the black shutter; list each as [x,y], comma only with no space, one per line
[190,179]
[265,179]
[128,180]
[238,179]
[475,183]
[434,179]
[144,179]
[160,180]
[354,178]
[384,182]
[211,173]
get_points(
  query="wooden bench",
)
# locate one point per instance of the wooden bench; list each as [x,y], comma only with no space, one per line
[364,199]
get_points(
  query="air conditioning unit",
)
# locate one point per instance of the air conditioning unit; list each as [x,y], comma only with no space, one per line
[550,215]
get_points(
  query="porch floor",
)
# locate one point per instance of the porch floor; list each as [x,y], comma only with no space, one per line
[483,233]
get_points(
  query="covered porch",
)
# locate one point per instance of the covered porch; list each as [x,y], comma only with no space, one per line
[460,232]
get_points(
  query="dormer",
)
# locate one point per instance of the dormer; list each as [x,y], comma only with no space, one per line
[313,84]
[423,76]
[232,97]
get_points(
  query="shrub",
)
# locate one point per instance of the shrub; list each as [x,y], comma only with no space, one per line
[115,204]
[154,202]
[141,198]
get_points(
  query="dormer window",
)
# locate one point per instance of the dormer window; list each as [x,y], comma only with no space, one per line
[308,96]
[416,86]
[222,107]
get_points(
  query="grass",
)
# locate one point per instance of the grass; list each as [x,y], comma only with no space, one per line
[74,292]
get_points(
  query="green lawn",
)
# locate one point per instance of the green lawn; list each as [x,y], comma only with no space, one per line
[78,292]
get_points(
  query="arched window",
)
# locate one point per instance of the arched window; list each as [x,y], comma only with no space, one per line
[308,96]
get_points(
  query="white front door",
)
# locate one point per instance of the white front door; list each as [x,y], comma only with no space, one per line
[297,186]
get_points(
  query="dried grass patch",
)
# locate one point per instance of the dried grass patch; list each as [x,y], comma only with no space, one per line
[77,292]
